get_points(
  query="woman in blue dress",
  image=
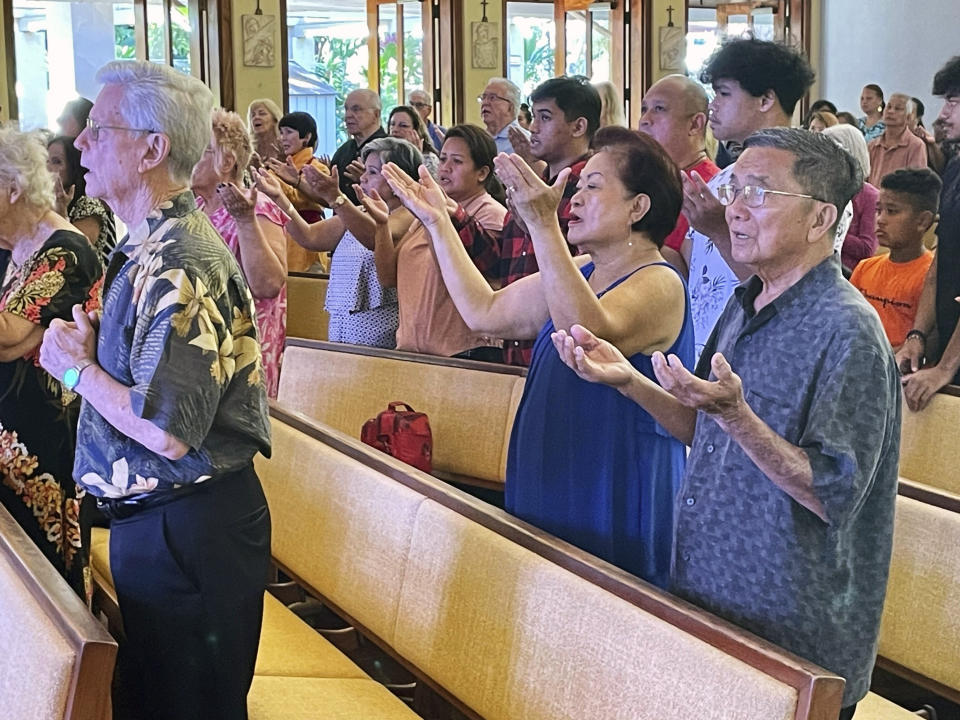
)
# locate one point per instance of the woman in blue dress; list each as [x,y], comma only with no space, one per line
[585,463]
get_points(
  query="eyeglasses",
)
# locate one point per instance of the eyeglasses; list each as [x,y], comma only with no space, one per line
[753,195]
[94,128]
[420,105]
[490,97]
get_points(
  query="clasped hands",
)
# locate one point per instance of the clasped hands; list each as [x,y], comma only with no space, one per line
[599,361]
[66,344]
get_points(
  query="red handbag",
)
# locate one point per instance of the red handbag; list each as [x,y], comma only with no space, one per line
[403,433]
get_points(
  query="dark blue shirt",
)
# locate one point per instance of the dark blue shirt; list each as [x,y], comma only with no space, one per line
[177,329]
[817,368]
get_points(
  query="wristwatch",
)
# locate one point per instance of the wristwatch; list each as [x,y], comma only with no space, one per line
[341,199]
[71,376]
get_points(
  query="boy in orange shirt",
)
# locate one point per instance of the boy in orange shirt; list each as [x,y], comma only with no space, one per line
[906,209]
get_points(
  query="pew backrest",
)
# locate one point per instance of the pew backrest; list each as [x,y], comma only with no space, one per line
[501,618]
[56,661]
[471,405]
[920,629]
[306,316]
[929,452]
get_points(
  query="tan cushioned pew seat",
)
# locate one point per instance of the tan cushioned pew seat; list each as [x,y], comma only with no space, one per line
[928,446]
[299,674]
[471,411]
[306,295]
[502,629]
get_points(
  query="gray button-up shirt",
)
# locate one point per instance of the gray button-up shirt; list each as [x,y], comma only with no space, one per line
[816,367]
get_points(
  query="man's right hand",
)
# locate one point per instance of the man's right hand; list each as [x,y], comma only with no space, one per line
[353,171]
[910,355]
[702,209]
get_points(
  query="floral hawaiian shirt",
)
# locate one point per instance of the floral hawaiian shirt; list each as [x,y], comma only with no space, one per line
[178,330]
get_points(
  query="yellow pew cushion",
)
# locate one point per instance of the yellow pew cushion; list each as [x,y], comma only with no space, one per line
[875,707]
[555,646]
[295,698]
[288,646]
[928,453]
[920,627]
[341,526]
[36,661]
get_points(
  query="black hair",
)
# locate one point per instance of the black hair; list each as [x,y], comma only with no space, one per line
[76,173]
[482,151]
[823,105]
[947,80]
[847,117]
[79,110]
[644,167]
[575,96]
[920,185]
[525,111]
[303,123]
[759,66]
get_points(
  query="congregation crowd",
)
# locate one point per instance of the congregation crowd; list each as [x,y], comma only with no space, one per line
[720,314]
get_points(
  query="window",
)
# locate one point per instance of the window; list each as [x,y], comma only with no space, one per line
[588,44]
[531,44]
[400,48]
[327,59]
[60,46]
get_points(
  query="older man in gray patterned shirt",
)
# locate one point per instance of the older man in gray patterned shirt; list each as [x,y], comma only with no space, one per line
[785,517]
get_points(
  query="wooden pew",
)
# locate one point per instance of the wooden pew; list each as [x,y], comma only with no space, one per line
[56,660]
[920,631]
[471,405]
[306,295]
[929,452]
[500,618]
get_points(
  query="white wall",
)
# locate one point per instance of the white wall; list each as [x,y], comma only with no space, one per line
[897,44]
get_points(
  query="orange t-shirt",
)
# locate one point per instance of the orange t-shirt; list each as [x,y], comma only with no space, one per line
[894,291]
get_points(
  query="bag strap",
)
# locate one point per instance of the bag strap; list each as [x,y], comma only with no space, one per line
[395,406]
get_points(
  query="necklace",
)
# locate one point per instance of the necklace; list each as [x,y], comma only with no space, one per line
[701,156]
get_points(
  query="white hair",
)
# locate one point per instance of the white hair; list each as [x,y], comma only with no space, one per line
[851,139]
[161,99]
[512,93]
[370,95]
[23,162]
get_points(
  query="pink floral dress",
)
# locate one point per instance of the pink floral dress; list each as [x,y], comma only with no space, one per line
[271,312]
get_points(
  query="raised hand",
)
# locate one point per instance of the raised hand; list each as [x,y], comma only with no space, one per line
[320,186]
[591,358]
[267,184]
[353,171]
[240,204]
[531,198]
[62,198]
[375,205]
[702,209]
[286,171]
[425,199]
[325,160]
[722,398]
[521,144]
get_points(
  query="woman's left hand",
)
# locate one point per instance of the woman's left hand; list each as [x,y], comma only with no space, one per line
[62,198]
[239,204]
[287,171]
[535,202]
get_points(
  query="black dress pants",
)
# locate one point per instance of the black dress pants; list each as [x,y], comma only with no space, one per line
[190,577]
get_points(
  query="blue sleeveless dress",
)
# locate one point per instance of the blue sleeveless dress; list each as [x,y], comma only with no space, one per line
[591,466]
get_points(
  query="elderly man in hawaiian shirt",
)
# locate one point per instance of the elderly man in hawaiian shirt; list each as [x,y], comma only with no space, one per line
[174,408]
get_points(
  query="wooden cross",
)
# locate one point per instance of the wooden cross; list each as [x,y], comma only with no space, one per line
[484,4]
[669,16]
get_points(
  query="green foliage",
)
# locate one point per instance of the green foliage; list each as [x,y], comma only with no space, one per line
[125,44]
[538,58]
[332,55]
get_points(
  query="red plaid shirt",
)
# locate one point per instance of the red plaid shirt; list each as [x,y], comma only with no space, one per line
[509,257]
